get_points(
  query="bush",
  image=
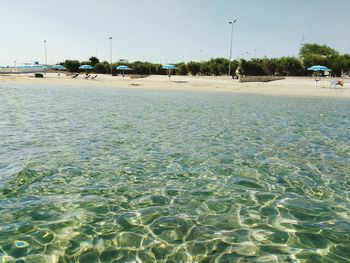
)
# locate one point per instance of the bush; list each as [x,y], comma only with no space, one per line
[181,69]
[102,67]
[270,66]
[310,54]
[290,66]
[72,65]
[219,66]
[193,67]
[146,68]
[94,60]
[253,67]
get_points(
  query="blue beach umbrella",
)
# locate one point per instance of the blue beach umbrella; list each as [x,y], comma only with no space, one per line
[169,67]
[123,68]
[86,67]
[58,67]
[318,68]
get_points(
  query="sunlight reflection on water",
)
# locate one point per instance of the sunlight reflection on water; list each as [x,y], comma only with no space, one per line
[129,175]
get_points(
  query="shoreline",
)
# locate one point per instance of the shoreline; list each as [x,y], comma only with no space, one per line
[291,86]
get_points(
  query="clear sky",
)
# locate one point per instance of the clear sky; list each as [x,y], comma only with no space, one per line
[168,31]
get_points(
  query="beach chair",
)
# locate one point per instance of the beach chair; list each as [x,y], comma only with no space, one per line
[333,84]
[94,77]
[336,84]
[87,76]
[76,75]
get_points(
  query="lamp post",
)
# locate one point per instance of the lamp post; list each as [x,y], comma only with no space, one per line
[110,52]
[45,53]
[229,65]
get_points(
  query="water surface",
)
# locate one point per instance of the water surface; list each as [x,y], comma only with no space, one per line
[113,175]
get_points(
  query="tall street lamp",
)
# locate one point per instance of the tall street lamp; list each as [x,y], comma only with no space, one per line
[229,65]
[110,52]
[45,53]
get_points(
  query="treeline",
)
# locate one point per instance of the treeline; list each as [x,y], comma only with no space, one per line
[309,55]
[138,67]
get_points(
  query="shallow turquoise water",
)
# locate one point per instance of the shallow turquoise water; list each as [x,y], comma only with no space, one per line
[112,175]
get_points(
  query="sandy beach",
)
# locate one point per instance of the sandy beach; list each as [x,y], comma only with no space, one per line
[291,86]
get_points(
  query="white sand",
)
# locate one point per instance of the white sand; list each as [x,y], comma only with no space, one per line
[291,86]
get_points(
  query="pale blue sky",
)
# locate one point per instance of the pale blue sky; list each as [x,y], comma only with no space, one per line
[167,31]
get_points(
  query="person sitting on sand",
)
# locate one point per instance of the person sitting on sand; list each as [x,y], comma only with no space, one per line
[340,83]
[337,84]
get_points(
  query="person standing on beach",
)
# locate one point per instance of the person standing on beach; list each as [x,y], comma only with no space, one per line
[237,72]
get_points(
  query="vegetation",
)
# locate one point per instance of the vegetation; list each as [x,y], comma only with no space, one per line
[102,67]
[72,65]
[309,55]
[94,61]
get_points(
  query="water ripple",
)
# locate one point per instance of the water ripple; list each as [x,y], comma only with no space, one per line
[109,175]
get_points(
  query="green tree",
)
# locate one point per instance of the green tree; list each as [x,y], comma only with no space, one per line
[290,66]
[85,63]
[205,68]
[72,65]
[140,68]
[252,67]
[315,59]
[181,69]
[219,66]
[94,60]
[340,64]
[145,68]
[102,67]
[193,67]
[316,49]
[315,54]
[270,66]
[154,68]
[346,63]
